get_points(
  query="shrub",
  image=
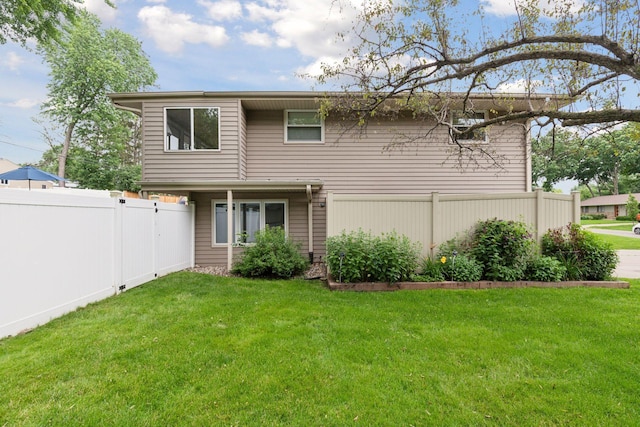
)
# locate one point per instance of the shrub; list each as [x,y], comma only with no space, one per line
[584,255]
[361,257]
[273,255]
[503,248]
[593,216]
[545,269]
[625,218]
[461,268]
[430,271]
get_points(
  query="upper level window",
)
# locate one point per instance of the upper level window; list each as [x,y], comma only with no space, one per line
[192,128]
[461,121]
[303,126]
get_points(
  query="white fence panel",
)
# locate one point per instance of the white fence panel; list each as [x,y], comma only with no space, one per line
[138,241]
[57,255]
[61,252]
[176,234]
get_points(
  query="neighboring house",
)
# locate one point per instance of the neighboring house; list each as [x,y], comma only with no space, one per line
[274,159]
[8,165]
[611,206]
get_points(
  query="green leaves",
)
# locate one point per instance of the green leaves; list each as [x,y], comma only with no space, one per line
[86,65]
[273,256]
[362,257]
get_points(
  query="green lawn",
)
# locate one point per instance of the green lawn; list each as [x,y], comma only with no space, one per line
[193,349]
[620,242]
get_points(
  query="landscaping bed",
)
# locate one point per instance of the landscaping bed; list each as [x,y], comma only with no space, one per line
[484,284]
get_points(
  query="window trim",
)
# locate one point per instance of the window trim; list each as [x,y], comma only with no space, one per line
[485,140]
[297,141]
[191,124]
[237,218]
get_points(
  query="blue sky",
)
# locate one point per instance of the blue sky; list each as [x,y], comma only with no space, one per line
[214,45]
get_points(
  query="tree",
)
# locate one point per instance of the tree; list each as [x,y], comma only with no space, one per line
[632,207]
[421,55]
[21,20]
[554,158]
[87,64]
[609,159]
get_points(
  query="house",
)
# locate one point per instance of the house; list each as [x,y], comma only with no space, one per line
[611,206]
[8,165]
[274,160]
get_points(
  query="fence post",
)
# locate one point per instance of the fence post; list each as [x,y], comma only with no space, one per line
[118,241]
[540,220]
[576,207]
[435,221]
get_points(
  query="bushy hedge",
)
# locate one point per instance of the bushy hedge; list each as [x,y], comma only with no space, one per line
[272,256]
[584,256]
[494,250]
[361,257]
[593,216]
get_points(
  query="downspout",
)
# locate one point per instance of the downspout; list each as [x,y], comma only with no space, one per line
[528,154]
[310,221]
[229,230]
[135,111]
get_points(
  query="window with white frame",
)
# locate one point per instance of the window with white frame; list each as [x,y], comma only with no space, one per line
[305,126]
[192,128]
[462,121]
[4,181]
[248,218]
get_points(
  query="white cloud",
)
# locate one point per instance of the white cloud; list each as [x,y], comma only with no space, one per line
[171,30]
[521,86]
[105,12]
[223,10]
[256,38]
[13,61]
[507,7]
[24,103]
[310,27]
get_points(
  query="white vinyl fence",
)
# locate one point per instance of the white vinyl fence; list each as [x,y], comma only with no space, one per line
[435,218]
[61,252]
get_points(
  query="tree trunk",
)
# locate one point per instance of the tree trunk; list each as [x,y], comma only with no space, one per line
[616,179]
[62,159]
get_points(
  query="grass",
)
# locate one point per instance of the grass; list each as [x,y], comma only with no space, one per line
[620,242]
[193,349]
[622,227]
[600,221]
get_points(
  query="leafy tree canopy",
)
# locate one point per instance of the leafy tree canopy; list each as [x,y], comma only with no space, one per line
[21,20]
[85,66]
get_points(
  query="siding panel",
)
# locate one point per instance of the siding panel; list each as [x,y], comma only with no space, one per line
[347,164]
[161,165]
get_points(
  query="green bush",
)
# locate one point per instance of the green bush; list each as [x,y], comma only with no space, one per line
[593,216]
[273,255]
[582,253]
[430,271]
[503,248]
[624,218]
[461,268]
[361,257]
[545,269]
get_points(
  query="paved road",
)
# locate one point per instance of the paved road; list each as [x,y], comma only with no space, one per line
[629,265]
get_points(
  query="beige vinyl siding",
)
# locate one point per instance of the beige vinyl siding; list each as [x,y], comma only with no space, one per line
[350,165]
[207,254]
[242,144]
[198,165]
